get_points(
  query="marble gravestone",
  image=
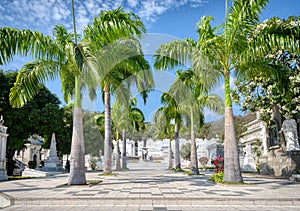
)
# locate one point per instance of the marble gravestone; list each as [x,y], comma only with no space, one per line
[52,162]
[289,129]
[3,139]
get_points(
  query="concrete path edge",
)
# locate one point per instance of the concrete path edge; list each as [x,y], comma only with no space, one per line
[5,200]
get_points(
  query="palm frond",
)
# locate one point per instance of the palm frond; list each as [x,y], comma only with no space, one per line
[30,78]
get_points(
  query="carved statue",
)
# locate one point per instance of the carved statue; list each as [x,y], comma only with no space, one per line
[289,129]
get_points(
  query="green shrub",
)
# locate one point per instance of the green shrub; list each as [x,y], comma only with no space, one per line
[177,169]
[217,177]
[188,172]
[93,163]
[32,164]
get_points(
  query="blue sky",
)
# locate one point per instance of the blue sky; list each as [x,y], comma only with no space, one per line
[165,20]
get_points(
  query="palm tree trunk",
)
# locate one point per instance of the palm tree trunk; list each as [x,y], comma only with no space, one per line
[107,128]
[118,161]
[177,152]
[170,154]
[77,158]
[124,159]
[194,162]
[232,170]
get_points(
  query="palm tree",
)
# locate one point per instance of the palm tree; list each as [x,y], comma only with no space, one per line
[118,122]
[118,57]
[163,118]
[223,51]
[196,97]
[60,56]
[163,129]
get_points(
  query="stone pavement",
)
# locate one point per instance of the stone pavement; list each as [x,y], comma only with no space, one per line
[149,186]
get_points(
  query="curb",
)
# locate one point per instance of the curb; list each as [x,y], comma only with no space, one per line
[5,200]
[158,201]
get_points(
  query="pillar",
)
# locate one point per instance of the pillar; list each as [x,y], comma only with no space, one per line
[3,139]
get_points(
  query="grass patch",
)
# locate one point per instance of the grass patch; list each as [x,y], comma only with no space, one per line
[107,174]
[20,177]
[188,172]
[156,161]
[177,170]
[218,178]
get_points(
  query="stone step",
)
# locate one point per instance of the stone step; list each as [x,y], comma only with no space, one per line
[157,201]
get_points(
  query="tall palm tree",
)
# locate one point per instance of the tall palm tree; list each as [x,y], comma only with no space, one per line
[118,122]
[118,57]
[162,120]
[223,51]
[60,56]
[195,89]
[163,129]
[135,121]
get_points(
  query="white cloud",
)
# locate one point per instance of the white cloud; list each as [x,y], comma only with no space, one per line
[43,15]
[132,3]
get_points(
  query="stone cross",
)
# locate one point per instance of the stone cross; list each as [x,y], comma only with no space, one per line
[3,139]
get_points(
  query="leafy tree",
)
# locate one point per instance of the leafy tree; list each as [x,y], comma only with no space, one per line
[186,151]
[195,100]
[137,123]
[40,116]
[215,129]
[162,121]
[260,91]
[93,139]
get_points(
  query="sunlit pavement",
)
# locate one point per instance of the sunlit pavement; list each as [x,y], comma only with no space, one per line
[150,186]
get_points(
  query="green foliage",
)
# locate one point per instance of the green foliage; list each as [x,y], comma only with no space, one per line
[216,128]
[178,170]
[274,76]
[93,162]
[186,151]
[188,172]
[93,139]
[41,116]
[32,164]
[217,177]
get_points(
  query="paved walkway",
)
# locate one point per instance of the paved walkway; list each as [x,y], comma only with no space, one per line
[149,186]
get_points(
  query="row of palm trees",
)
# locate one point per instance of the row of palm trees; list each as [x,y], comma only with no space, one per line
[183,104]
[109,57]
[219,53]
